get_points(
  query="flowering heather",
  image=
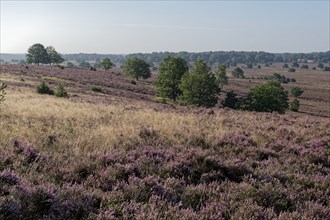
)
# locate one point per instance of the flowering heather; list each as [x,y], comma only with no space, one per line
[131,159]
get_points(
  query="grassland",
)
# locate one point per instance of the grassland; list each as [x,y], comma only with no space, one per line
[120,154]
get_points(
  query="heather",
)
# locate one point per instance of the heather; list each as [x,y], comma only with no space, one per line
[65,159]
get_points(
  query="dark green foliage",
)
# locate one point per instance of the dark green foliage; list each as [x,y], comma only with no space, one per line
[199,86]
[259,67]
[171,72]
[69,64]
[285,65]
[292,70]
[133,82]
[61,92]
[249,66]
[84,64]
[2,92]
[136,68]
[53,55]
[280,78]
[221,76]
[320,65]
[293,80]
[327,68]
[37,54]
[295,64]
[93,68]
[294,105]
[97,89]
[296,91]
[231,100]
[107,64]
[267,97]
[238,73]
[304,66]
[43,88]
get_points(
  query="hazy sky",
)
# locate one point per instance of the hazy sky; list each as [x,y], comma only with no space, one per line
[147,26]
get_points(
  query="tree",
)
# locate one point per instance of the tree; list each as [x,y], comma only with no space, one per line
[295,64]
[171,71]
[267,97]
[221,76]
[84,64]
[43,88]
[320,65]
[199,86]
[61,92]
[249,66]
[296,91]
[231,100]
[292,70]
[285,65]
[136,68]
[37,54]
[53,56]
[238,73]
[304,66]
[294,105]
[326,68]
[106,64]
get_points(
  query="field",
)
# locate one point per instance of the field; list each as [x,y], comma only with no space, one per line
[120,154]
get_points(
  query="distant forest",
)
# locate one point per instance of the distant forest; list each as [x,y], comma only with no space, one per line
[211,58]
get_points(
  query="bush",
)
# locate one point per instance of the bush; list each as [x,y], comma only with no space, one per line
[43,88]
[268,97]
[231,100]
[295,64]
[238,73]
[133,82]
[97,89]
[327,68]
[249,66]
[296,91]
[93,68]
[320,65]
[285,65]
[199,86]
[294,105]
[305,66]
[60,92]
[291,70]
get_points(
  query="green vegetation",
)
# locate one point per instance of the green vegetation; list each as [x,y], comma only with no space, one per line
[171,72]
[53,56]
[294,105]
[43,88]
[238,73]
[296,91]
[37,54]
[304,66]
[97,89]
[199,86]
[85,64]
[231,100]
[136,68]
[221,76]
[285,65]
[291,70]
[61,92]
[107,64]
[267,97]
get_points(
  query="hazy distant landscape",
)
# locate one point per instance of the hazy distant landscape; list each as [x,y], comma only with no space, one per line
[229,133]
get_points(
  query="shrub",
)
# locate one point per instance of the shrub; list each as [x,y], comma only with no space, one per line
[249,66]
[294,105]
[43,88]
[231,100]
[93,68]
[320,65]
[238,73]
[327,68]
[268,97]
[304,66]
[285,65]
[97,89]
[133,82]
[295,64]
[61,92]
[291,70]
[296,91]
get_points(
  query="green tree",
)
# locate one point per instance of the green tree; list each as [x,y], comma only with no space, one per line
[54,56]
[84,64]
[221,76]
[320,65]
[61,92]
[294,105]
[37,54]
[106,64]
[231,100]
[267,97]
[285,65]
[171,71]
[43,88]
[238,73]
[136,68]
[199,86]
[249,66]
[296,91]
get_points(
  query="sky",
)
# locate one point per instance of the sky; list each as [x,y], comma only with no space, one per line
[122,27]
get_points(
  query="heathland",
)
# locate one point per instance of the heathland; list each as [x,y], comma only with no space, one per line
[114,151]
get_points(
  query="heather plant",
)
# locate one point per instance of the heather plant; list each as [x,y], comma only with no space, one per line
[43,88]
